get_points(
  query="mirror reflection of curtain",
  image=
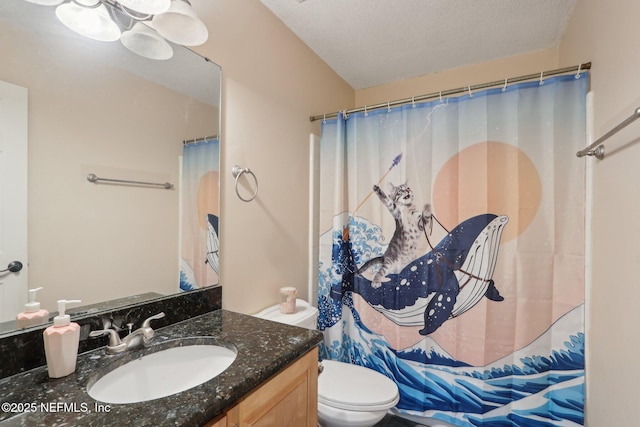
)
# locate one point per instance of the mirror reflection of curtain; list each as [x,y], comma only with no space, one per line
[199,215]
[452,252]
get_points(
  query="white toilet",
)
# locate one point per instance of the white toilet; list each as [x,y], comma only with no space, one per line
[348,395]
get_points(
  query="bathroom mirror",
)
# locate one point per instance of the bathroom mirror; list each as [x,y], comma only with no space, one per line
[97,108]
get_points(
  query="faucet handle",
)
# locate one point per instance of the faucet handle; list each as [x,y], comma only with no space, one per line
[147,322]
[114,338]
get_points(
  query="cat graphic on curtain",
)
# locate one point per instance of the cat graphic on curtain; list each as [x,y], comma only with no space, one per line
[410,224]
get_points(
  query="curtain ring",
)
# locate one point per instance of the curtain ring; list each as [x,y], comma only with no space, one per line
[388,106]
[541,82]
[365,111]
[504,88]
[324,118]
[470,94]
[413,101]
[237,172]
[440,96]
[579,69]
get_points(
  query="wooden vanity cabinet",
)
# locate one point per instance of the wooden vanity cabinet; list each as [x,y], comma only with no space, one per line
[289,399]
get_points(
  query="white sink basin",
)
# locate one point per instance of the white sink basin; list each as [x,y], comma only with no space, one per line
[163,373]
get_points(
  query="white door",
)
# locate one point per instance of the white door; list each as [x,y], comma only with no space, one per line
[13,198]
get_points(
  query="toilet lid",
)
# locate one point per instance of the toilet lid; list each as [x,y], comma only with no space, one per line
[356,388]
[305,313]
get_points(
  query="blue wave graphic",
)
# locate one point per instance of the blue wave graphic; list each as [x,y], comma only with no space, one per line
[535,391]
[185,284]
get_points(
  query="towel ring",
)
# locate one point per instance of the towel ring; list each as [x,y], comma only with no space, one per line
[237,172]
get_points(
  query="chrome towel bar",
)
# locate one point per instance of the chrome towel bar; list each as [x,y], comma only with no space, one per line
[93,178]
[597,149]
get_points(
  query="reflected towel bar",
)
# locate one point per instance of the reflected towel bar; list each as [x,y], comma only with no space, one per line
[597,149]
[93,178]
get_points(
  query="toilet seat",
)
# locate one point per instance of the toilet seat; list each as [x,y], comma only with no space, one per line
[355,388]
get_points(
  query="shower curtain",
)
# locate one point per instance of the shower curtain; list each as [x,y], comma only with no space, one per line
[199,215]
[452,252]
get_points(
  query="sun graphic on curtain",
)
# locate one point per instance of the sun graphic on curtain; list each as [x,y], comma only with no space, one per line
[488,177]
[207,202]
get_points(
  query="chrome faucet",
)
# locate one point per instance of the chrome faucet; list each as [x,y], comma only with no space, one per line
[134,340]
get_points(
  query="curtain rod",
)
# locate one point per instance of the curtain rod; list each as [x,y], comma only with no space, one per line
[196,140]
[578,68]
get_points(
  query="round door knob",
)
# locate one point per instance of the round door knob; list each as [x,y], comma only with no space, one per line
[14,267]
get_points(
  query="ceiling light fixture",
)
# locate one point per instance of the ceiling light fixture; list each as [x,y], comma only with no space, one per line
[90,19]
[105,20]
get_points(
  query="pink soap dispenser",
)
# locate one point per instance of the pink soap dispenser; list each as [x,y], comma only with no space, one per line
[32,315]
[61,342]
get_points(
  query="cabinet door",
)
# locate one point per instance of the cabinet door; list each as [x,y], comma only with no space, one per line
[290,399]
[218,422]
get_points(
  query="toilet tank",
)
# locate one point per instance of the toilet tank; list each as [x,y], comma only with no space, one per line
[306,315]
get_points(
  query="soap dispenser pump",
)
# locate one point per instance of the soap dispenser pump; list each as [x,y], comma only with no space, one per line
[61,342]
[32,315]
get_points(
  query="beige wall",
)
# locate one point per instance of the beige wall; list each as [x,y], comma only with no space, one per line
[606,34]
[460,77]
[272,84]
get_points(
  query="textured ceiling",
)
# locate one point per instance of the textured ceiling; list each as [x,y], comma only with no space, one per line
[373,42]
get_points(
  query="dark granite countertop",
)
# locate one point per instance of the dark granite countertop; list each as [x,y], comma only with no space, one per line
[264,348]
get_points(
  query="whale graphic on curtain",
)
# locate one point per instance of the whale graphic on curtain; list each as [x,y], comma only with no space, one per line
[444,283]
[484,325]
